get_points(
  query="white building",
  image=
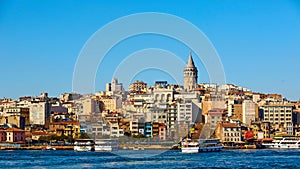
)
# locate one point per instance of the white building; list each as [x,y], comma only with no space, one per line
[114,86]
[188,107]
[249,110]
[39,113]
[115,130]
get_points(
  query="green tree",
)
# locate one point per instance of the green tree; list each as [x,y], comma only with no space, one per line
[84,136]
[138,136]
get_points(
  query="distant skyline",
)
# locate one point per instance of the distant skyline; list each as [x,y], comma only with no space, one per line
[257,42]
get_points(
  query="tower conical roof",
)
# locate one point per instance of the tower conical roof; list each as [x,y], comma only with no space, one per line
[190,63]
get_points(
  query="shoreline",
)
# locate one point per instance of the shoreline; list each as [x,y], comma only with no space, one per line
[37,148]
[121,147]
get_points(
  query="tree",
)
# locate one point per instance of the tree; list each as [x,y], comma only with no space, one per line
[84,136]
[139,135]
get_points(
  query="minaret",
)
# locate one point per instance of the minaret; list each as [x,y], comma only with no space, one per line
[190,75]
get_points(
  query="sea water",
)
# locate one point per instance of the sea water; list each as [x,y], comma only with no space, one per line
[143,159]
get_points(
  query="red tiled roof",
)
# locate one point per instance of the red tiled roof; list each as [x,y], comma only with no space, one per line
[14,129]
[162,125]
[39,133]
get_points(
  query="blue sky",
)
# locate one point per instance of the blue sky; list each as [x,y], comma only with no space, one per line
[258,42]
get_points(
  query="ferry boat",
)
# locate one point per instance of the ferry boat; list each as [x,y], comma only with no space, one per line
[189,146]
[104,145]
[284,143]
[206,145]
[84,145]
[203,145]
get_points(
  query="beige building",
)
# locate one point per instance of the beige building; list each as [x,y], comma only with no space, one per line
[162,132]
[111,103]
[280,116]
[66,97]
[260,129]
[6,103]
[19,111]
[137,86]
[230,132]
[87,105]
[17,120]
[210,104]
[237,110]
[67,128]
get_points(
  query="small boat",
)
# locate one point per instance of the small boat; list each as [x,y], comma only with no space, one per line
[49,148]
[137,148]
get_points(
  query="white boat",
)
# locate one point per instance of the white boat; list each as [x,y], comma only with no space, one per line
[84,145]
[189,146]
[203,145]
[104,145]
[284,143]
[207,145]
[50,148]
[137,148]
